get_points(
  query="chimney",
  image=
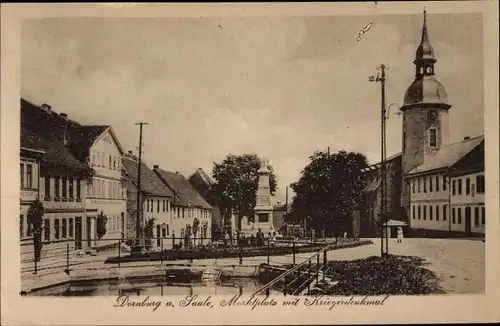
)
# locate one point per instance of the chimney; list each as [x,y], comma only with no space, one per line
[466,138]
[176,172]
[46,107]
[156,167]
[64,115]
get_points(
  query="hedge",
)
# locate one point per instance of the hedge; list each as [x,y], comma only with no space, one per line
[233,252]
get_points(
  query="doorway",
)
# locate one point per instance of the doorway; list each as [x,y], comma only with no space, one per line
[78,232]
[467,220]
[89,231]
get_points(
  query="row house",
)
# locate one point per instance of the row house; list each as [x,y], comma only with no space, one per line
[447,191]
[57,178]
[204,184]
[154,203]
[106,192]
[187,207]
[72,186]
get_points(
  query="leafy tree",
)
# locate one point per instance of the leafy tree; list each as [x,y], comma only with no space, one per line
[330,186]
[236,183]
[102,222]
[35,219]
[196,227]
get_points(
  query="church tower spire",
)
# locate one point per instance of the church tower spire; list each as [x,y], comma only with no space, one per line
[425,57]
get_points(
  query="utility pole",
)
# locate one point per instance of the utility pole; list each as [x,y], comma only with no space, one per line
[139,201]
[383,186]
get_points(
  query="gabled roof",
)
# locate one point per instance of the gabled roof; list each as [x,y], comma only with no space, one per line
[448,155]
[186,193]
[203,176]
[96,132]
[44,130]
[150,183]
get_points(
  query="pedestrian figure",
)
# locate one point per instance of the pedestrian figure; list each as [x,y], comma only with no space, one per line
[400,234]
[345,235]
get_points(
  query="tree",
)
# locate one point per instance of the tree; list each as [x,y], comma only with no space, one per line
[330,186]
[196,227]
[102,222]
[236,183]
[35,219]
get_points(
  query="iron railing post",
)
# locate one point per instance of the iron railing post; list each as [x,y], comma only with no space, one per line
[67,257]
[293,251]
[161,250]
[119,252]
[268,244]
[317,268]
[240,250]
[191,252]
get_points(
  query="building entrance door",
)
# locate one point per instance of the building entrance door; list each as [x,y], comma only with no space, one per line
[467,220]
[89,232]
[78,232]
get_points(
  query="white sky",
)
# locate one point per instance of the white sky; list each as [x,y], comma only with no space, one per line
[278,87]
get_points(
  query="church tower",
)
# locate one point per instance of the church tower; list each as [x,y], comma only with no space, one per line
[425,111]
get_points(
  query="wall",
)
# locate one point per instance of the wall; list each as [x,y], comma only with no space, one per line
[61,215]
[430,195]
[107,193]
[473,199]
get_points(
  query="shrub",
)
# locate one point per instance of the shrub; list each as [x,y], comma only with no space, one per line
[35,218]
[102,222]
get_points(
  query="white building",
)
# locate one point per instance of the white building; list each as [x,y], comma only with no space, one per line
[155,202]
[107,191]
[187,207]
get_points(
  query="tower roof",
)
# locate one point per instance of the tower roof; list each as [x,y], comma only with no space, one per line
[425,89]
[425,51]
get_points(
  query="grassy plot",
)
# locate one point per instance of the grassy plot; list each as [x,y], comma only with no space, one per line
[393,275]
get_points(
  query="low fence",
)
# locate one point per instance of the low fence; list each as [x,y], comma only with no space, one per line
[298,277]
[120,250]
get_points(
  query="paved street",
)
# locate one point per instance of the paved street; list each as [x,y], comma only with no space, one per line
[459,263]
